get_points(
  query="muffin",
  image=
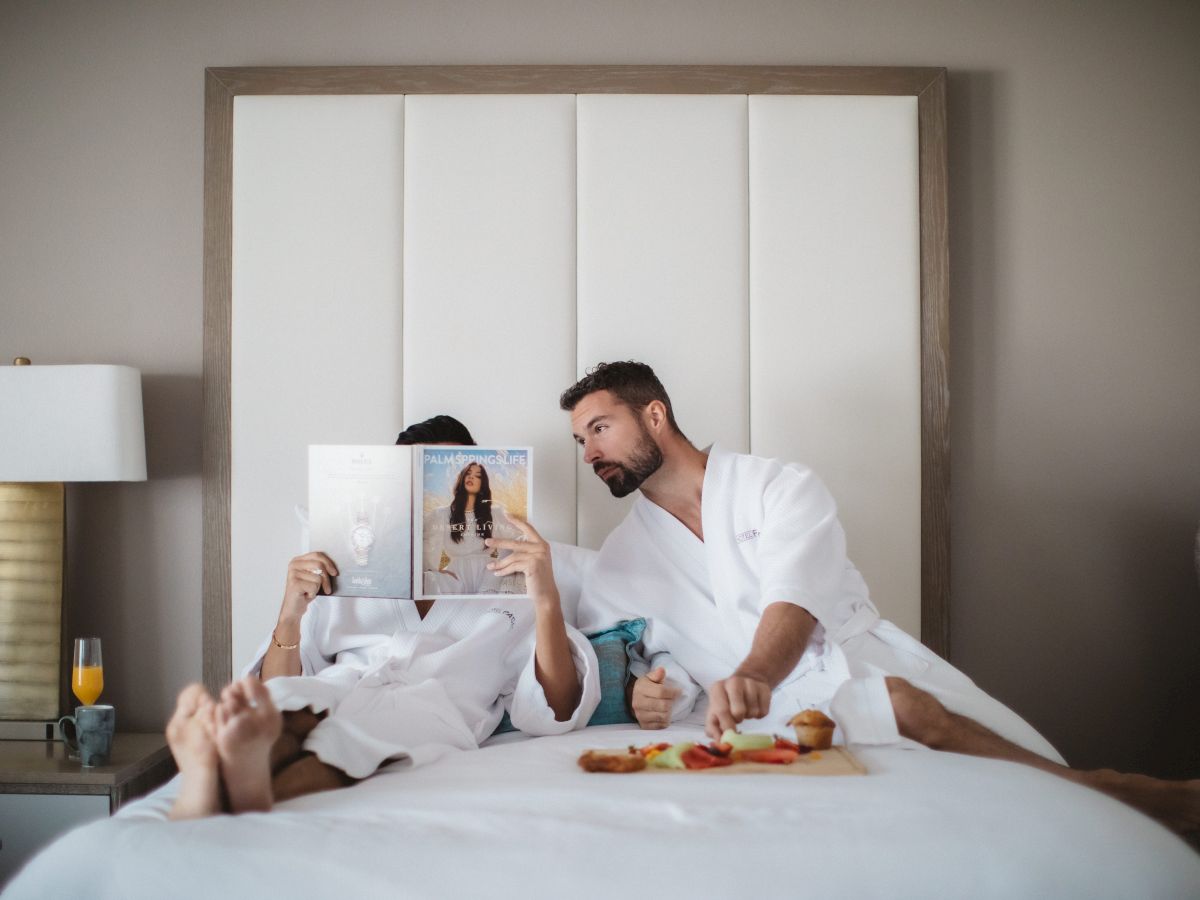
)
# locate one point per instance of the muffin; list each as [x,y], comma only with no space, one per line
[813,729]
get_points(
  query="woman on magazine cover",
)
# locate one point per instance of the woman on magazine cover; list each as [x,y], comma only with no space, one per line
[455,558]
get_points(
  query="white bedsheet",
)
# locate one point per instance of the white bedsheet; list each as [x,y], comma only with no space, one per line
[520,819]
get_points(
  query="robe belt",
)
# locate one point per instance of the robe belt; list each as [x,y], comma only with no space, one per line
[862,621]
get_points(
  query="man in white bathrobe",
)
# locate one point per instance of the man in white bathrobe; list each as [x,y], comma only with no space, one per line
[739,564]
[364,682]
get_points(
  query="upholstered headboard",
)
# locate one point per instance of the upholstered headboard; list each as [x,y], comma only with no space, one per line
[383,244]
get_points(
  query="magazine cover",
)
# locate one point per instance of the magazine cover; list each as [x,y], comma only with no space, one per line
[360,506]
[467,495]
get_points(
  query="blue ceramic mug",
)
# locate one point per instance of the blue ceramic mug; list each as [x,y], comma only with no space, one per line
[93,728]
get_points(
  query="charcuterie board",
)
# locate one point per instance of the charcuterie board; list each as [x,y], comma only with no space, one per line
[834,761]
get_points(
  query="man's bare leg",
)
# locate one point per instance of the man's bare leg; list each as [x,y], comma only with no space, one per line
[308,775]
[922,718]
[295,772]
[190,734]
[247,725]
[288,747]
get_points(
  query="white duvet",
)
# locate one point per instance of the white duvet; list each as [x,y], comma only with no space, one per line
[519,819]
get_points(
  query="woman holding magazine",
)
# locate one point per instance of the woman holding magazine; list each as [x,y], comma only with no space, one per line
[455,557]
[346,685]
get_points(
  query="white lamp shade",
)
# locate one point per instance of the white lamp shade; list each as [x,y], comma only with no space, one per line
[71,423]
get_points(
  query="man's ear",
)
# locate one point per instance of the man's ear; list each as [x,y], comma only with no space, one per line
[656,415]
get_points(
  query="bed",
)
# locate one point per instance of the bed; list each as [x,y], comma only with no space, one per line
[518,819]
[773,241]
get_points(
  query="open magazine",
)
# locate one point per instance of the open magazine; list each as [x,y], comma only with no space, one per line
[410,521]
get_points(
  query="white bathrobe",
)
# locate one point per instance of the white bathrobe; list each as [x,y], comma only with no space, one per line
[402,688]
[771,534]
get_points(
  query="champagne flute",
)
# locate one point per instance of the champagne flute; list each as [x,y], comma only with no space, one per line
[87,670]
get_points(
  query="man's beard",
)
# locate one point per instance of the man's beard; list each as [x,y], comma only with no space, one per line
[644,461]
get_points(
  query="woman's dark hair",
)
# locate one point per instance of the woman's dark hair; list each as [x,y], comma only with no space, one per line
[438,430]
[632,383]
[483,505]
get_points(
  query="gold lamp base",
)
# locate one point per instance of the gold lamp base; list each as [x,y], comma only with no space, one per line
[31,580]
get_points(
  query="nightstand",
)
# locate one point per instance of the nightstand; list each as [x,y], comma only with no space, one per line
[43,794]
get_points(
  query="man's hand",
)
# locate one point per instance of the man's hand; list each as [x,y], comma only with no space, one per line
[740,696]
[651,699]
[530,555]
[307,576]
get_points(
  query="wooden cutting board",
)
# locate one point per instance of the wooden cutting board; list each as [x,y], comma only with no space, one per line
[834,761]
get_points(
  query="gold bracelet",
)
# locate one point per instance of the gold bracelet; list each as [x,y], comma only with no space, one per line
[275,641]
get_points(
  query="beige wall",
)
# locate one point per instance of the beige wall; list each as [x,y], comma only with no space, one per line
[1074,141]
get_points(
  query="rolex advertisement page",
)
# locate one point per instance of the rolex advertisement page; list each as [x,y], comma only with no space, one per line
[360,508]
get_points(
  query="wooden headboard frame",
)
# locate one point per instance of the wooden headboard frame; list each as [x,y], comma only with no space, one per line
[222,85]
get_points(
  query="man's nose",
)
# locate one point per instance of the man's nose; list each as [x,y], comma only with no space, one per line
[590,453]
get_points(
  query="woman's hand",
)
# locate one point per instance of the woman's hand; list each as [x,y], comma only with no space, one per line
[530,556]
[307,576]
[554,663]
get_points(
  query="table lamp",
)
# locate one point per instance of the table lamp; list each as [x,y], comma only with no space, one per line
[57,424]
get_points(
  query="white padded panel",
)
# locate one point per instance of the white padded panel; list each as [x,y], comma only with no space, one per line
[835,319]
[662,262]
[316,316]
[489,277]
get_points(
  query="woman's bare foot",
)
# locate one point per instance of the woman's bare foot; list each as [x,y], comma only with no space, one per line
[190,734]
[247,724]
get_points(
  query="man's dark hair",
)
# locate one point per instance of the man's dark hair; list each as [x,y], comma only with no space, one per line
[438,430]
[633,383]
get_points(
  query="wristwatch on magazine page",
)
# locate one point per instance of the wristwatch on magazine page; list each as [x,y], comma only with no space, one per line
[362,539]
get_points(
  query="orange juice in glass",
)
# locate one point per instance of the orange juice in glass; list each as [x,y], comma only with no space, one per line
[87,670]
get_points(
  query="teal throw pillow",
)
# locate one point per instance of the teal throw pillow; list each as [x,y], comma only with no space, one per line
[612,650]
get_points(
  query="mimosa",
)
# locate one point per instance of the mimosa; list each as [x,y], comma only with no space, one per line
[87,670]
[87,682]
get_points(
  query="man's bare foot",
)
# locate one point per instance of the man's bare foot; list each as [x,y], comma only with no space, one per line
[190,734]
[247,724]
[1176,804]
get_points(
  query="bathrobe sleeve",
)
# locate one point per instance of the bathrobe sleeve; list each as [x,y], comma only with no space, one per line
[689,690]
[802,551]
[311,659]
[527,706]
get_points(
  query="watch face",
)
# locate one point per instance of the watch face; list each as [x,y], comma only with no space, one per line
[362,536]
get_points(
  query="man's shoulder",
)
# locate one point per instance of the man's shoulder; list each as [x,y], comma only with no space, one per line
[764,469]
[773,482]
